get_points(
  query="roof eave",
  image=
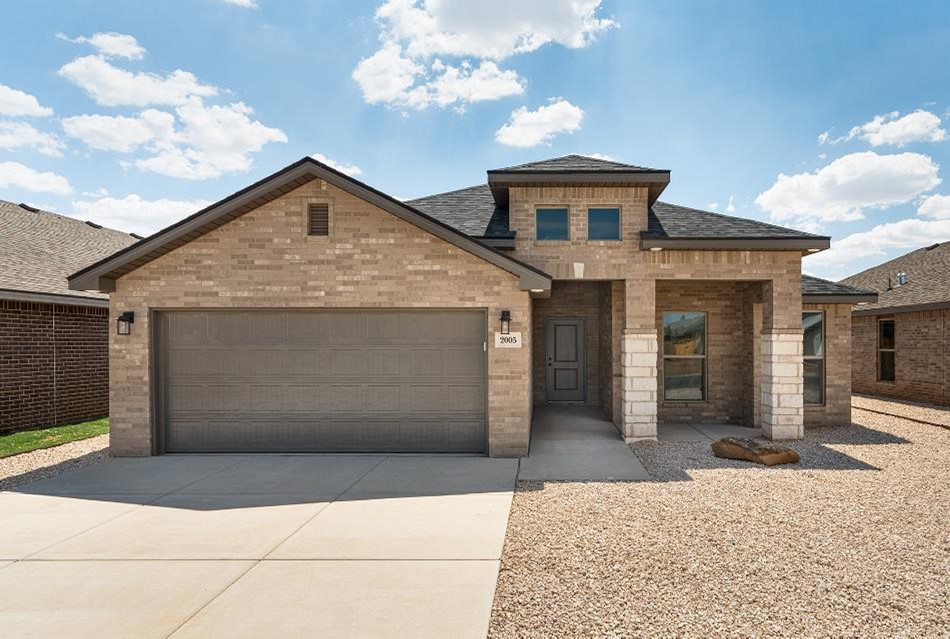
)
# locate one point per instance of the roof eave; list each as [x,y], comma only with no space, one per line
[499,180]
[52,298]
[816,243]
[907,308]
[839,298]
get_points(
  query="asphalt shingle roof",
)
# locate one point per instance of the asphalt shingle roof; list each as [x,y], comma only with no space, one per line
[471,210]
[672,221]
[569,163]
[38,249]
[928,278]
[812,285]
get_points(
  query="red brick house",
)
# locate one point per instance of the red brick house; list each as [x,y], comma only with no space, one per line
[54,342]
[901,343]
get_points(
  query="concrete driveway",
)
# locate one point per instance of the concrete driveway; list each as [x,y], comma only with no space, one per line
[266,545]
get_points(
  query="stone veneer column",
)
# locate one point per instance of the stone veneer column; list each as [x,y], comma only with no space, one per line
[638,359]
[782,387]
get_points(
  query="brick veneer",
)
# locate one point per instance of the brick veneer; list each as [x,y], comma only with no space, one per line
[371,259]
[836,410]
[54,366]
[922,356]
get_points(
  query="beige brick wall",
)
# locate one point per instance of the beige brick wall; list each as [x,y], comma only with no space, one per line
[372,259]
[836,411]
[922,356]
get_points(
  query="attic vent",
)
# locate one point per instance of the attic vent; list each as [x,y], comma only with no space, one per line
[32,209]
[94,225]
[901,278]
[319,219]
[929,248]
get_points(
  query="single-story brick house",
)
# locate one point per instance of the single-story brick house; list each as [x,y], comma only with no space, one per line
[311,312]
[901,343]
[54,342]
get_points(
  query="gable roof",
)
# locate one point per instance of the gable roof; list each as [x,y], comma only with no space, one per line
[574,163]
[39,249]
[927,286]
[818,291]
[101,276]
[673,226]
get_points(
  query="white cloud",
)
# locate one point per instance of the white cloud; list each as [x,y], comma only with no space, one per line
[891,129]
[110,44]
[121,133]
[843,189]
[109,85]
[247,4]
[409,71]
[935,206]
[712,206]
[342,167]
[875,243]
[15,135]
[15,102]
[530,128]
[731,205]
[600,156]
[18,175]
[134,214]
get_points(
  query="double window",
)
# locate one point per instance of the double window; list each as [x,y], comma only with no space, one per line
[813,331]
[554,223]
[886,342]
[684,356]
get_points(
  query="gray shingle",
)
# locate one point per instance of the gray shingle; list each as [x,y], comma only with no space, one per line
[570,163]
[928,278]
[812,285]
[681,222]
[471,210]
[38,249]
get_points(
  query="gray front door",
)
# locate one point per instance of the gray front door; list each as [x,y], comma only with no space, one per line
[565,379]
[355,380]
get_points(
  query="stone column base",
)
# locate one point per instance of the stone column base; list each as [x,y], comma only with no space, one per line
[783,410]
[639,352]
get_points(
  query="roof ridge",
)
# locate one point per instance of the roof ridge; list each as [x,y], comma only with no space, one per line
[735,217]
[919,249]
[61,216]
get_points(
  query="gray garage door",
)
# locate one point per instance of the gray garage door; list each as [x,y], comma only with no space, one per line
[328,381]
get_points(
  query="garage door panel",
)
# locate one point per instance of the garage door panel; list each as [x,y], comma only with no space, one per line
[324,381]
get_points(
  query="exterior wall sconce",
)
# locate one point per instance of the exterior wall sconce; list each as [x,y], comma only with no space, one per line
[123,325]
[505,322]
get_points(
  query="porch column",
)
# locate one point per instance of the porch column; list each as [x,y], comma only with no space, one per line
[639,353]
[782,405]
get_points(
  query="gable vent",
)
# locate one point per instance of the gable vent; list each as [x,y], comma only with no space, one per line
[319,219]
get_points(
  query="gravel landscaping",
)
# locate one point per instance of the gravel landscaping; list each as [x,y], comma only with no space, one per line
[853,541]
[20,470]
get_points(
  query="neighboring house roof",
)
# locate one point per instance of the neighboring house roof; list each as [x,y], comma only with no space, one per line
[818,291]
[573,163]
[39,249]
[927,285]
[673,226]
[101,276]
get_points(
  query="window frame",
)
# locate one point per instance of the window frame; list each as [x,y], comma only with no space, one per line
[619,211]
[880,324]
[818,358]
[705,369]
[552,207]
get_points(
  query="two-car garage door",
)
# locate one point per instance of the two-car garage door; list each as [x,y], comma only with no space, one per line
[322,381]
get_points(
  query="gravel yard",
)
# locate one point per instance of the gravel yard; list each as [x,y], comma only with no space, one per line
[853,541]
[19,470]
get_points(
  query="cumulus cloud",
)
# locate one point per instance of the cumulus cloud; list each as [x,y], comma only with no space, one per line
[134,214]
[110,44]
[845,188]
[121,133]
[892,129]
[600,156]
[342,167]
[935,206]
[409,69]
[247,4]
[530,128]
[17,175]
[109,85]
[18,103]
[16,135]
[730,205]
[712,206]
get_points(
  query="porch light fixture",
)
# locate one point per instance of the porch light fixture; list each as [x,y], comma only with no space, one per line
[656,249]
[123,325]
[505,322]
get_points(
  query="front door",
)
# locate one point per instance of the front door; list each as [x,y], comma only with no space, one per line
[565,380]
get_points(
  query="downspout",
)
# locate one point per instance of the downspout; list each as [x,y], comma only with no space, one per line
[55,372]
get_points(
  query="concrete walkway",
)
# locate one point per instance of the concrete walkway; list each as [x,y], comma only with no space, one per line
[577,443]
[703,432]
[251,546]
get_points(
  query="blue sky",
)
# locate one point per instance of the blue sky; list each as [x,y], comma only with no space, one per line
[177,104]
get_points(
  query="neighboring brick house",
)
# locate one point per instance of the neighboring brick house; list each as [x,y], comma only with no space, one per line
[901,343]
[311,312]
[54,344]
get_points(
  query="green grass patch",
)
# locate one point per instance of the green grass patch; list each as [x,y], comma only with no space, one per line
[29,440]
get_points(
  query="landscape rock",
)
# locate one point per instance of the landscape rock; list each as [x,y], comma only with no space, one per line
[754,451]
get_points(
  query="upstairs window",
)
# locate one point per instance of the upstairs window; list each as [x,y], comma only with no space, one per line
[603,224]
[813,332]
[684,356]
[318,222]
[886,343]
[552,224]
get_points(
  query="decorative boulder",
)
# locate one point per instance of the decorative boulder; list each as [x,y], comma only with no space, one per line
[754,451]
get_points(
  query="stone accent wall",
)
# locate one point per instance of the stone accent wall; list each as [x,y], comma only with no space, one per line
[921,359]
[639,385]
[54,364]
[371,259]
[836,411]
[782,407]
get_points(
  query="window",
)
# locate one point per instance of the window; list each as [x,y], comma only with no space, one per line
[318,222]
[603,224]
[552,224]
[813,331]
[684,356]
[886,341]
